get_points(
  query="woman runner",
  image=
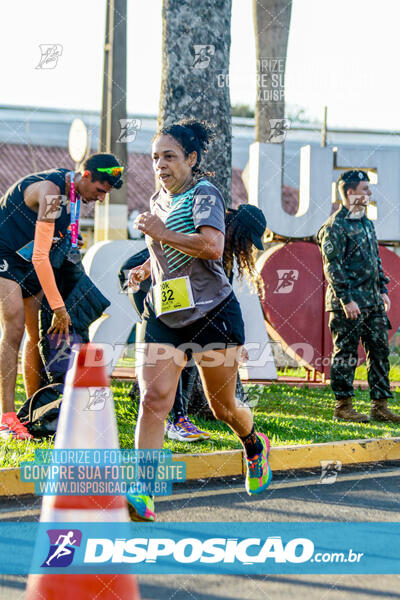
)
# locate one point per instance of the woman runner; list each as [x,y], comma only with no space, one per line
[192,305]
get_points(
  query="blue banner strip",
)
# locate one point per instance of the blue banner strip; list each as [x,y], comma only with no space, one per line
[226,548]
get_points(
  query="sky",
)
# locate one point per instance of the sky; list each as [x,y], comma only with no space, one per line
[342,53]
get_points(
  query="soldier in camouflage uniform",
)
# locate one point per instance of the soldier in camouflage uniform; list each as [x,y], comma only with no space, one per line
[357,300]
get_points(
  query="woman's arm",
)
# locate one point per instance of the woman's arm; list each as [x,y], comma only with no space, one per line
[208,244]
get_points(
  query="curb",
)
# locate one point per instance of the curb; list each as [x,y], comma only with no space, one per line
[231,462]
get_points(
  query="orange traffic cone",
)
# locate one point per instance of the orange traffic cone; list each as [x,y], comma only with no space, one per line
[87,420]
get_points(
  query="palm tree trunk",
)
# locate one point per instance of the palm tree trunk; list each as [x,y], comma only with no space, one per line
[195,49]
[112,215]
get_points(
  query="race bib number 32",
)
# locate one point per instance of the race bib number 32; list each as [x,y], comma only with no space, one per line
[173,295]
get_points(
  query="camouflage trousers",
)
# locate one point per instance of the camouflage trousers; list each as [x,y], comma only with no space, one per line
[371,327]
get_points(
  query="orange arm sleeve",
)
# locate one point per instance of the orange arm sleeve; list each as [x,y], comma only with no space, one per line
[44,233]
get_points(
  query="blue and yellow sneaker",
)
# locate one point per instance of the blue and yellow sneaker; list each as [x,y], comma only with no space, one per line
[185,431]
[141,507]
[259,474]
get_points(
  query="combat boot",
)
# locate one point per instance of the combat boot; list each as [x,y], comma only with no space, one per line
[344,411]
[380,411]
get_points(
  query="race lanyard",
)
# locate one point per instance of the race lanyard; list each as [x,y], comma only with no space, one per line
[173,295]
[75,209]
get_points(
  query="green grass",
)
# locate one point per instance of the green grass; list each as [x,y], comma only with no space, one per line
[361,372]
[290,415]
[294,415]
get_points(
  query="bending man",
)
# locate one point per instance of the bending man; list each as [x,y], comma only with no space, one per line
[36,212]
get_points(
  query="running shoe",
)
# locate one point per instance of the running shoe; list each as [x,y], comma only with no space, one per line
[259,474]
[192,427]
[11,427]
[185,431]
[141,507]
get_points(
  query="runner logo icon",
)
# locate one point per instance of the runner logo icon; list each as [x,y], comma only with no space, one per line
[62,547]
[129,128]
[204,203]
[50,53]
[278,130]
[98,398]
[330,470]
[286,280]
[203,54]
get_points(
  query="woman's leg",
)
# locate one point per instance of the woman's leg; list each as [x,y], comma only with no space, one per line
[219,383]
[158,377]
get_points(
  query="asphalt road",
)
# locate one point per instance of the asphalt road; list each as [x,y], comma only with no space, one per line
[362,494]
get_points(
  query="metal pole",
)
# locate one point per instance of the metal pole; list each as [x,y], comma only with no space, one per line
[111,217]
[324,128]
[104,104]
[110,73]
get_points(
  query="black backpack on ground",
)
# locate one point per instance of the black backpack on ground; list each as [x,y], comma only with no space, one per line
[40,412]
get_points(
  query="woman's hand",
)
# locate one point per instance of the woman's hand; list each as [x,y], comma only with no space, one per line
[138,274]
[60,324]
[244,355]
[151,225]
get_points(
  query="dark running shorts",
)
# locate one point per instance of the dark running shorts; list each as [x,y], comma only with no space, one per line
[19,270]
[222,327]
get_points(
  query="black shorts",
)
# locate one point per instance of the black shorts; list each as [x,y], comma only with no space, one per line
[222,327]
[19,270]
